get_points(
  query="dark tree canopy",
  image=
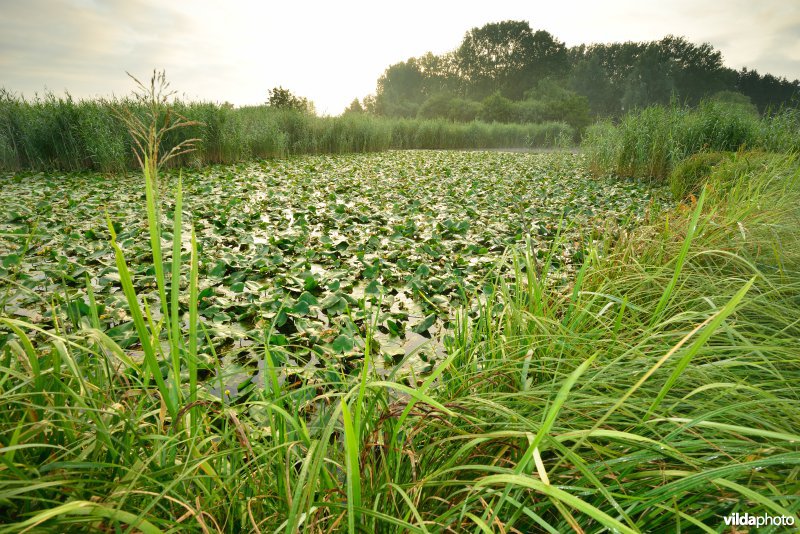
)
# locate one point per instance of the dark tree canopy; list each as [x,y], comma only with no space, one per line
[284,99]
[355,107]
[648,82]
[591,79]
[697,71]
[401,90]
[502,70]
[507,57]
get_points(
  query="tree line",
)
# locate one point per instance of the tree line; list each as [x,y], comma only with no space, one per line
[507,72]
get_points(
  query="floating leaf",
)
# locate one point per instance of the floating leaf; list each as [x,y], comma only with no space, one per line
[343,343]
[426,323]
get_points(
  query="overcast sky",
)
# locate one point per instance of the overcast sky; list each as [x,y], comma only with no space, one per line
[330,51]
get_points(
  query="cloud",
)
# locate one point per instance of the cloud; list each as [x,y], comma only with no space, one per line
[88,46]
[764,36]
[50,43]
[334,51]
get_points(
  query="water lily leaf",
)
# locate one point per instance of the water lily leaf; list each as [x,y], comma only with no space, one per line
[308,298]
[425,324]
[373,288]
[219,270]
[11,259]
[315,235]
[300,307]
[343,343]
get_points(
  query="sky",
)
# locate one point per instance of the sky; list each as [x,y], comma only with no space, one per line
[332,52]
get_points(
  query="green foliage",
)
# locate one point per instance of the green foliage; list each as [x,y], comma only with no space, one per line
[688,177]
[283,232]
[602,401]
[735,98]
[280,98]
[463,110]
[696,71]
[648,82]
[436,107]
[401,90]
[649,143]
[551,101]
[509,57]
[738,166]
[446,106]
[718,126]
[497,108]
[767,92]
[590,79]
[780,131]
[354,107]
[62,134]
[642,145]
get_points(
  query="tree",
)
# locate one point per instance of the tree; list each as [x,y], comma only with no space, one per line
[649,82]
[401,90]
[551,101]
[281,98]
[618,60]
[436,107]
[767,92]
[369,104]
[590,79]
[697,70]
[507,57]
[447,106]
[354,107]
[440,73]
[463,110]
[497,108]
[549,59]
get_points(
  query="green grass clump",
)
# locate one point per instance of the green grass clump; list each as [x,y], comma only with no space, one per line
[724,170]
[650,143]
[780,132]
[690,174]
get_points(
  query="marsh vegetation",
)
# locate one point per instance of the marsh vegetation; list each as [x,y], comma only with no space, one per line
[413,341]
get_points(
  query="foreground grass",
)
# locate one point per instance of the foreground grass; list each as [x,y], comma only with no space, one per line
[659,394]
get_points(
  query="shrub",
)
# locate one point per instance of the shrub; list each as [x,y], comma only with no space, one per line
[281,98]
[446,106]
[690,174]
[463,110]
[549,101]
[435,107]
[497,108]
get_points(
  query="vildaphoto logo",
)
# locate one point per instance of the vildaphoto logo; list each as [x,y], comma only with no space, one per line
[748,520]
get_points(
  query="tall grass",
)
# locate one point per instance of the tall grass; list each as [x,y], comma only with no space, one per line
[650,143]
[60,133]
[658,392]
